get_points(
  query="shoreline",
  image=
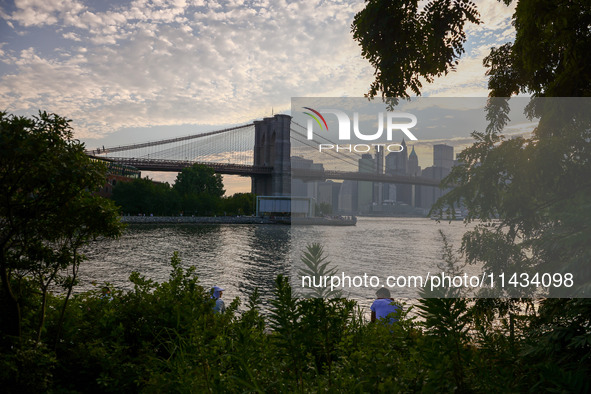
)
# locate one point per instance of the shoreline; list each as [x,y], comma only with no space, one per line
[233,220]
[195,220]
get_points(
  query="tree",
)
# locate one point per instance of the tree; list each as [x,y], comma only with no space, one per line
[197,190]
[48,210]
[143,196]
[315,268]
[200,189]
[199,179]
[404,43]
[538,186]
[550,56]
[239,204]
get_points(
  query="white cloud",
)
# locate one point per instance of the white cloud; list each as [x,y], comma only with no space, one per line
[43,12]
[227,63]
[167,62]
[71,36]
[494,14]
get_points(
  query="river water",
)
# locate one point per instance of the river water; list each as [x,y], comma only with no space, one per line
[243,257]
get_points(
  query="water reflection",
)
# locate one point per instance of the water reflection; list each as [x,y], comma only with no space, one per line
[243,257]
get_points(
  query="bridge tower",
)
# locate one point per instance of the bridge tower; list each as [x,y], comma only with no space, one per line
[272,148]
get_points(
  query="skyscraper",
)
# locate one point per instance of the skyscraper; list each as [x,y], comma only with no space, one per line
[414,170]
[397,164]
[413,164]
[348,197]
[365,189]
[377,186]
[443,156]
[442,164]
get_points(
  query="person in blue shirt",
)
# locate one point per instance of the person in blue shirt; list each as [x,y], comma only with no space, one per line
[219,306]
[106,294]
[383,306]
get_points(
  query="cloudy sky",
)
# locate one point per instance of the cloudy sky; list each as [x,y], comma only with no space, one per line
[131,71]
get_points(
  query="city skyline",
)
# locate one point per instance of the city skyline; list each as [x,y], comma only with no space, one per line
[370,197]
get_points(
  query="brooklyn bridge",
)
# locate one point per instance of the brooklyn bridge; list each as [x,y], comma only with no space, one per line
[261,150]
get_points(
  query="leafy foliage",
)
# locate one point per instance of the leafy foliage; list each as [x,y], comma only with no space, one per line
[199,180]
[47,212]
[537,187]
[163,337]
[405,43]
[143,196]
[317,268]
[549,54]
[238,204]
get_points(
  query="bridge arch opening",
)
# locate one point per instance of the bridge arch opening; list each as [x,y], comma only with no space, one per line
[264,156]
[272,148]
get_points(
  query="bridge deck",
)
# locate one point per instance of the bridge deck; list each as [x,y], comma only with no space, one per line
[249,170]
[178,165]
[311,175]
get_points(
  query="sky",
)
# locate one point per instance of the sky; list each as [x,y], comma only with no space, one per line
[135,71]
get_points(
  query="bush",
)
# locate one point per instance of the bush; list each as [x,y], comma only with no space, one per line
[164,337]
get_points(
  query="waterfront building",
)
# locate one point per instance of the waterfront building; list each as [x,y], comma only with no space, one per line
[300,188]
[364,188]
[443,156]
[414,170]
[397,164]
[116,173]
[413,164]
[378,187]
[347,201]
[443,161]
[328,194]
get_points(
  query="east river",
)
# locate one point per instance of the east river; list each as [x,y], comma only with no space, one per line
[240,258]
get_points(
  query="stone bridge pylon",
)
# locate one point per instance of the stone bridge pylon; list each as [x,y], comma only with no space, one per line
[272,148]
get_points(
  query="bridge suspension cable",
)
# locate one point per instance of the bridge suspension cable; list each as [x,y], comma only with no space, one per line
[163,142]
[231,145]
[342,158]
[347,159]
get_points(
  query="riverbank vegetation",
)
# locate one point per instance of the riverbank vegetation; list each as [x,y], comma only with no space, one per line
[165,337]
[198,191]
[48,211]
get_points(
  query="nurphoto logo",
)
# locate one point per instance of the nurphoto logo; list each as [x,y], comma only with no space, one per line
[395,121]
